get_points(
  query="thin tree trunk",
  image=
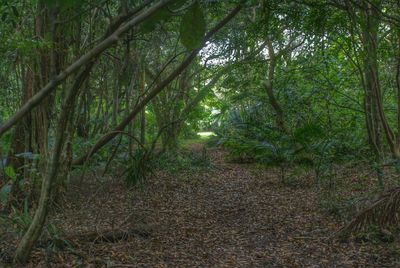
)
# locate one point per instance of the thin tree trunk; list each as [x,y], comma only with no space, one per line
[143,112]
[398,86]
[279,119]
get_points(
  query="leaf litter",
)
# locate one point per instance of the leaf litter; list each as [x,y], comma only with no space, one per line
[234,215]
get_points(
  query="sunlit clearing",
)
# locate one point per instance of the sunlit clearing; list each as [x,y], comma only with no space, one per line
[206,134]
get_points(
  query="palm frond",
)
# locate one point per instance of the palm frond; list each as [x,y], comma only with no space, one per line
[383,212]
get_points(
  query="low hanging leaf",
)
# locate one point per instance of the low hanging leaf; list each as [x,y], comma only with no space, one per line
[10,172]
[193,27]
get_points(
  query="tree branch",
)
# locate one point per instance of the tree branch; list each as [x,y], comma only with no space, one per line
[88,57]
[153,93]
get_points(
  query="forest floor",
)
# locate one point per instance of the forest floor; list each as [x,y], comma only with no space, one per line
[229,215]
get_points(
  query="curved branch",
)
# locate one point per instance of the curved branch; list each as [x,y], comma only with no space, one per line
[74,67]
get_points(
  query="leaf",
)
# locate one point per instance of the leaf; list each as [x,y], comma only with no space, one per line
[10,172]
[193,27]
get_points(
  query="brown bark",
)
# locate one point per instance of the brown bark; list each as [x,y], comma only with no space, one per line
[373,98]
[279,119]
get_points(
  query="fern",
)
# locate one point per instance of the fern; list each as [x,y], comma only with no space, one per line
[140,166]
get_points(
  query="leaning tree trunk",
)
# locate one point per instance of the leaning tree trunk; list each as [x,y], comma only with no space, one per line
[35,229]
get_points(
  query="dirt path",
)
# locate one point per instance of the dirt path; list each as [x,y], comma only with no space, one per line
[231,216]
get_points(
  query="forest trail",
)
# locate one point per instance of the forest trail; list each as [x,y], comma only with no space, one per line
[232,215]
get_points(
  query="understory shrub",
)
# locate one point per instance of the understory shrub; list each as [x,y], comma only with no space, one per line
[184,159]
[248,137]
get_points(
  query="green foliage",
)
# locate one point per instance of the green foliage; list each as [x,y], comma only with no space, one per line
[9,13]
[320,60]
[5,142]
[249,137]
[184,160]
[375,235]
[56,238]
[21,219]
[62,3]
[193,27]
[150,24]
[308,133]
[140,166]
[10,172]
[18,221]
[5,189]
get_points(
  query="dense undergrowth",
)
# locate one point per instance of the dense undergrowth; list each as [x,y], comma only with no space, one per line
[338,164]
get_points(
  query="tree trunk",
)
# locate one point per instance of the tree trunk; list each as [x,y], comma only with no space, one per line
[279,119]
[143,112]
[35,229]
[31,133]
[374,102]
